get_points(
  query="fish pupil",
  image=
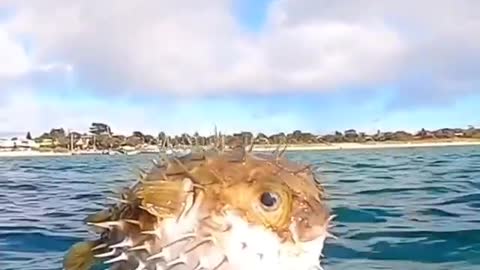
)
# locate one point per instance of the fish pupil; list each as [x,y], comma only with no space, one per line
[268,199]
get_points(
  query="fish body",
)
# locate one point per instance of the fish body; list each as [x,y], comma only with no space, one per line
[226,210]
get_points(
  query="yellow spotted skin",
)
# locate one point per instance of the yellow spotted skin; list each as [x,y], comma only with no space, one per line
[187,212]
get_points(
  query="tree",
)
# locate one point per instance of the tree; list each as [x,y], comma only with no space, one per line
[134,141]
[297,133]
[149,139]
[138,134]
[162,136]
[100,128]
[350,133]
[29,136]
[57,132]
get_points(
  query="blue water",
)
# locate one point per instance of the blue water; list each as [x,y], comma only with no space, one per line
[397,209]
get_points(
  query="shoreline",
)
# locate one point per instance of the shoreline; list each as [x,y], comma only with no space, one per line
[291,147]
[352,146]
[34,154]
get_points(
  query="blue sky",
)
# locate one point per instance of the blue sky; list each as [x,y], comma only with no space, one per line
[264,66]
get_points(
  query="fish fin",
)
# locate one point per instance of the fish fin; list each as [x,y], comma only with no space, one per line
[80,256]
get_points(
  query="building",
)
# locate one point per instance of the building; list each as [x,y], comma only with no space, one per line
[84,141]
[17,144]
[6,144]
[46,142]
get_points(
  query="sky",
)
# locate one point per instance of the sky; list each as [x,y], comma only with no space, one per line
[258,65]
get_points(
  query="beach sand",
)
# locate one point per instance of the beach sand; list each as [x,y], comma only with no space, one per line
[298,147]
[370,145]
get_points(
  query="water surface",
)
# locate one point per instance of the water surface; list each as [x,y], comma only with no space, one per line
[397,209]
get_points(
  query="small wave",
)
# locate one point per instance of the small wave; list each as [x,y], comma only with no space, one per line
[347,215]
[404,190]
[35,242]
[4,229]
[411,245]
[371,166]
[437,212]
[57,214]
[344,180]
[383,177]
[27,187]
[465,199]
[91,196]
[438,163]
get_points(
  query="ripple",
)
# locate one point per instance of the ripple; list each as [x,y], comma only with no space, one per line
[91,196]
[404,190]
[465,199]
[349,180]
[370,166]
[58,214]
[437,212]
[36,242]
[357,215]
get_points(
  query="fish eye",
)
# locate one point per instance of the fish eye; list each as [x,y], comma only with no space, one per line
[269,200]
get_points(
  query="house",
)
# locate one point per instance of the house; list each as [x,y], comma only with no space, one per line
[83,142]
[17,144]
[25,143]
[6,144]
[46,142]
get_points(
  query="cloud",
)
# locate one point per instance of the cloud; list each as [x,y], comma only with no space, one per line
[184,47]
[189,48]
[441,40]
[19,70]
[14,60]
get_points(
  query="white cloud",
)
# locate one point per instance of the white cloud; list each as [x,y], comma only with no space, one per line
[188,47]
[14,60]
[18,69]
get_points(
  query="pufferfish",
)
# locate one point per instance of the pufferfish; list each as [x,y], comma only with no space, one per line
[212,209]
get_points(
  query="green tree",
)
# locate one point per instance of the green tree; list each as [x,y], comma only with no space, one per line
[100,128]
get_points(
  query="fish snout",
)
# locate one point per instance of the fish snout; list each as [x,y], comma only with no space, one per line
[312,221]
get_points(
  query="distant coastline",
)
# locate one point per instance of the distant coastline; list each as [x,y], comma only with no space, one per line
[373,145]
[271,147]
[33,153]
[101,140]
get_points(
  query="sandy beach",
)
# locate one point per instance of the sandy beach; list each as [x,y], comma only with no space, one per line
[373,145]
[293,147]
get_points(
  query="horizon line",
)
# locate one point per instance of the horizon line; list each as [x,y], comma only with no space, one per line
[12,134]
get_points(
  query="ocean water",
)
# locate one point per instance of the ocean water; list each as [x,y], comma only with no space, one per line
[397,209]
